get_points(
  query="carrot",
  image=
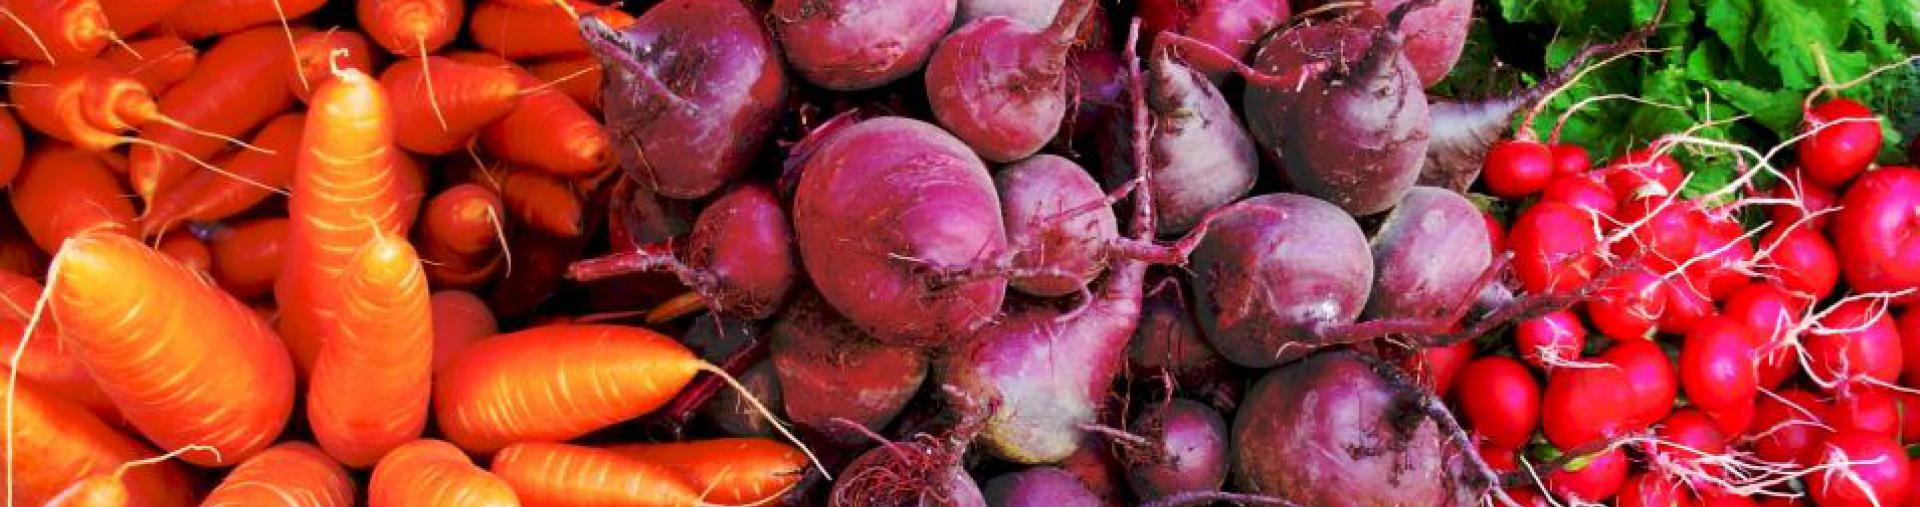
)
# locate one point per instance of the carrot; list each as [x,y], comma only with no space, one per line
[18,254]
[293,474]
[543,202]
[536,29]
[410,182]
[433,472]
[313,56]
[54,443]
[246,255]
[461,236]
[547,474]
[54,31]
[188,251]
[437,118]
[46,360]
[132,16]
[348,184]
[460,320]
[578,76]
[208,196]
[411,27]
[158,62]
[62,190]
[110,489]
[13,147]
[77,102]
[238,85]
[199,19]
[368,393]
[737,471]
[182,360]
[546,130]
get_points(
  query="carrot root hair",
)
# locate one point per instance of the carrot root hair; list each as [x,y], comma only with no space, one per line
[117,41]
[500,233]
[762,409]
[204,165]
[299,71]
[426,75]
[171,122]
[35,37]
[124,467]
[20,351]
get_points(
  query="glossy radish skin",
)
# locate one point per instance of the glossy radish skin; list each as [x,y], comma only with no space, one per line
[1867,470]
[1584,191]
[1427,256]
[692,91]
[1274,271]
[1721,273]
[1653,489]
[1555,338]
[1553,248]
[1570,159]
[1865,408]
[1517,168]
[1789,429]
[1802,261]
[1202,157]
[1598,481]
[888,189]
[999,85]
[1233,26]
[1717,365]
[1859,340]
[1767,311]
[1650,378]
[1583,405]
[1628,306]
[1500,401]
[1909,328]
[1642,173]
[1873,232]
[1811,198]
[1839,150]
[858,44]
[1189,451]
[1667,236]
[1438,368]
[1058,253]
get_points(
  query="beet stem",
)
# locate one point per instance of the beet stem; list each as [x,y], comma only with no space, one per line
[1195,498]
[1291,79]
[1443,418]
[623,263]
[680,411]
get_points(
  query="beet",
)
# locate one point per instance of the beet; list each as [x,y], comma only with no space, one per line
[1055,253]
[1233,26]
[1428,256]
[692,89]
[880,205]
[1435,34]
[828,369]
[906,474]
[1000,85]
[1274,272]
[1201,156]
[1189,450]
[732,414]
[1342,429]
[1039,487]
[1033,13]
[1167,340]
[858,44]
[739,257]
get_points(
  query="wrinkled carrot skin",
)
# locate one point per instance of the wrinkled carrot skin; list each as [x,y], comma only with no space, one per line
[736,471]
[313,57]
[555,383]
[368,393]
[62,190]
[543,202]
[47,361]
[546,130]
[209,196]
[164,60]
[347,183]
[72,30]
[184,361]
[535,29]
[13,147]
[78,102]
[578,76]
[470,96]
[128,17]
[58,443]
[238,85]
[434,472]
[402,26]
[198,19]
[292,474]
[458,238]
[460,319]
[98,490]
[246,255]
[188,251]
[549,474]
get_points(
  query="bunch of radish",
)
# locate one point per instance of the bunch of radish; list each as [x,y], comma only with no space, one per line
[908,252]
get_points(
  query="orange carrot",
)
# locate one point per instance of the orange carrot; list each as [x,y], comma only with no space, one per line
[62,190]
[461,236]
[542,201]
[535,29]
[238,85]
[433,472]
[411,27]
[182,360]
[578,76]
[13,148]
[18,254]
[460,319]
[548,474]
[110,489]
[132,16]
[54,443]
[208,196]
[198,19]
[46,360]
[468,97]
[54,31]
[737,471]
[246,255]
[77,102]
[546,130]
[160,62]
[368,393]
[188,251]
[292,474]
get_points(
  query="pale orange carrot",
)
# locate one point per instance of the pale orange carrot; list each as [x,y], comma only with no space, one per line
[159,61]
[46,361]
[460,320]
[292,474]
[578,76]
[462,236]
[13,148]
[132,16]
[208,196]
[467,98]
[547,130]
[198,19]
[62,190]
[433,472]
[238,85]
[246,255]
[316,53]
[54,31]
[539,30]
[549,474]
[52,443]
[369,388]
[737,471]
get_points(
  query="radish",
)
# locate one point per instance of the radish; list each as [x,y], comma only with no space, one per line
[1909,329]
[1650,378]
[1688,441]
[1653,489]
[1801,261]
[1865,408]
[1553,248]
[1855,338]
[1811,199]
[1723,242]
[1873,233]
[1570,159]
[1789,428]
[1500,400]
[1518,168]
[1643,172]
[1627,307]
[1583,191]
[1666,234]
[1597,480]
[1862,470]
[1686,307]
[858,44]
[1584,405]
[999,85]
[1840,146]
[1717,365]
[1768,311]
[1551,340]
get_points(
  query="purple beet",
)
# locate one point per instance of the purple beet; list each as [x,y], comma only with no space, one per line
[1233,26]
[1168,341]
[1040,487]
[999,85]
[1435,35]
[1202,157]
[858,44]
[1428,256]
[692,89]
[1033,13]
[731,412]
[828,369]
[1056,253]
[906,474]
[1275,273]
[739,258]
[1188,450]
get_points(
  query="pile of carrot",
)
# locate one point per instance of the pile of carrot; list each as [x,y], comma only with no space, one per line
[300,252]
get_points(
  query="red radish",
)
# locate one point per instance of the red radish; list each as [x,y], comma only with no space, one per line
[1549,340]
[1874,232]
[1768,311]
[1500,401]
[1723,242]
[1862,470]
[1517,168]
[1553,247]
[1802,261]
[1000,86]
[1909,329]
[1811,198]
[1846,137]
[1585,191]
[1731,420]
[1585,405]
[1685,308]
[1650,377]
[1789,429]
[1627,307]
[1663,231]
[1595,479]
[1865,408]
[1437,368]
[1496,234]
[1642,172]
[1716,365]
[1855,338]
[1570,159]
[1687,437]
[1653,489]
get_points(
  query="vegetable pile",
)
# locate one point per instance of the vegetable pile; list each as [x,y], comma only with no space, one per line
[1053,253]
